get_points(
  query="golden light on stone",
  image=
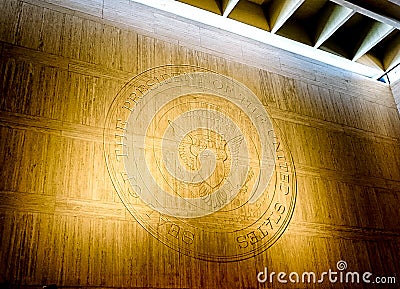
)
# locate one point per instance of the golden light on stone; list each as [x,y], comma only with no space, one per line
[119,170]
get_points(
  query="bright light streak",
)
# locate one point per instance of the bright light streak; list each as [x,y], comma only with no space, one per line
[212,19]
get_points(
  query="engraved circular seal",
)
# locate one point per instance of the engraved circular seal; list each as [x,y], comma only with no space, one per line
[198,162]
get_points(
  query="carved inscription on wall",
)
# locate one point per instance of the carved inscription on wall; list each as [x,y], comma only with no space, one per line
[197,161]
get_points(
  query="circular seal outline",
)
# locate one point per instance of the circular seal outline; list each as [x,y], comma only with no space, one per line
[113,150]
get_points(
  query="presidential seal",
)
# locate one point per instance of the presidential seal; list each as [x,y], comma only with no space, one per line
[198,162]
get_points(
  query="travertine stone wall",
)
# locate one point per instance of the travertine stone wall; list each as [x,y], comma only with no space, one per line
[63,62]
[395,87]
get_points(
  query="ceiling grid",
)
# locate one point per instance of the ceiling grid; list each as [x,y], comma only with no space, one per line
[364,32]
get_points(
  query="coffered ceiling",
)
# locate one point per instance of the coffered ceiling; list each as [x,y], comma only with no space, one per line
[361,31]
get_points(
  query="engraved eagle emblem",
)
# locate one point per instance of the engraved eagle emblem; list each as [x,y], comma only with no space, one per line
[202,147]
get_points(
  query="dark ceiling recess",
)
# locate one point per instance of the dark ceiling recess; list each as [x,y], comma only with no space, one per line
[364,31]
